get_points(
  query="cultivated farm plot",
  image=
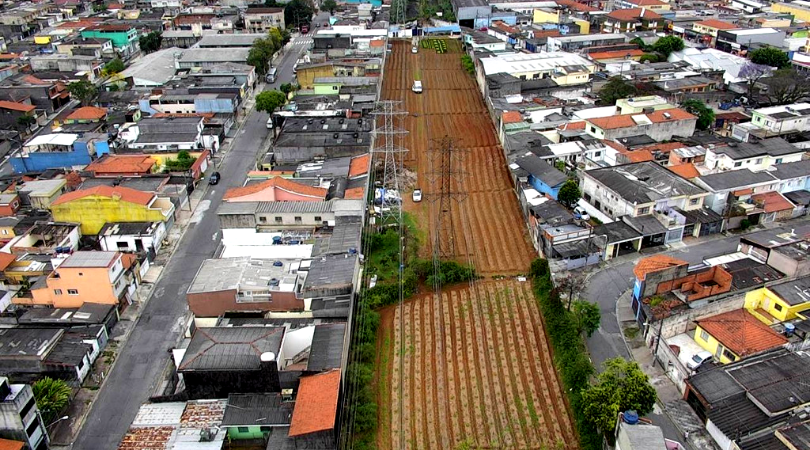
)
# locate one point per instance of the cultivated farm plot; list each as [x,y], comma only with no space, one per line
[471,366]
[488,227]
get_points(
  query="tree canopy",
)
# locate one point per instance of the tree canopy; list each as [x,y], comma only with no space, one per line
[615,89]
[587,316]
[52,396]
[668,44]
[770,56]
[114,66]
[621,387]
[329,5]
[269,101]
[787,86]
[150,42]
[83,91]
[704,114]
[261,53]
[298,12]
[752,73]
[569,194]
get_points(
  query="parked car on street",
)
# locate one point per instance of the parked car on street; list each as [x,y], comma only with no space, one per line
[214,178]
[581,214]
[417,195]
[698,360]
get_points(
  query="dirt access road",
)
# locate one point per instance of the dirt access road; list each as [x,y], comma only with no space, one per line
[472,365]
[488,225]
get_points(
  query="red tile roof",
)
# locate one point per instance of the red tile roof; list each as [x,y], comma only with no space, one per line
[718,24]
[664,115]
[511,117]
[110,27]
[639,156]
[7,444]
[546,33]
[654,264]
[613,122]
[354,193]
[686,170]
[741,332]
[316,404]
[14,106]
[126,194]
[621,148]
[580,125]
[774,201]
[663,147]
[581,7]
[632,14]
[278,182]
[733,116]
[6,259]
[640,3]
[122,164]
[87,113]
[615,54]
[359,165]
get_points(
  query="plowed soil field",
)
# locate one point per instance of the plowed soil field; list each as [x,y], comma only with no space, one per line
[472,364]
[476,368]
[488,226]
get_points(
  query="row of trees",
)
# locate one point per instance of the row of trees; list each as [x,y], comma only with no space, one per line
[262,51]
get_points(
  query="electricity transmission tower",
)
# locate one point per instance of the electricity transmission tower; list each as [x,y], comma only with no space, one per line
[446,176]
[388,134]
[398,11]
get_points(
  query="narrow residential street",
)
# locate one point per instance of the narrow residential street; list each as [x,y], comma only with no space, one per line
[146,352]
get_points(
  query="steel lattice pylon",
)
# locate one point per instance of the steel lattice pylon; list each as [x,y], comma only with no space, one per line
[446,178]
[388,137]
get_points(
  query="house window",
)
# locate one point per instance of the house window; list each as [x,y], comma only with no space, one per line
[263,219]
[266,429]
[737,164]
[704,336]
[298,219]
[694,201]
[243,429]
[73,292]
[587,197]
[81,274]
[728,354]
[535,76]
[593,129]
[57,292]
[317,218]
[523,77]
[644,210]
[334,88]
[778,160]
[777,307]
[5,231]
[758,161]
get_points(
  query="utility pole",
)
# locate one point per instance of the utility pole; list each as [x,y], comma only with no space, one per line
[387,138]
[445,177]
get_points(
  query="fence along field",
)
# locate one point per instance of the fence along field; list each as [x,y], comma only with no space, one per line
[476,366]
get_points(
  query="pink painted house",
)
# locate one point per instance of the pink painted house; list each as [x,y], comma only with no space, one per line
[276,189]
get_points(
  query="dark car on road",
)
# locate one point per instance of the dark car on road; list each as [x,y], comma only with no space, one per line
[214,178]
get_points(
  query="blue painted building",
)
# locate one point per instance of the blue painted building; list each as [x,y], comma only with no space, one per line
[61,150]
[543,177]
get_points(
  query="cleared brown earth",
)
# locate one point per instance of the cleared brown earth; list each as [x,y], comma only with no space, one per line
[473,364]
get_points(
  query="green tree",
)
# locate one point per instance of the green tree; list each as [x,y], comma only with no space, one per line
[622,386]
[569,194]
[286,88]
[640,42]
[276,38]
[704,114]
[83,91]
[270,100]
[114,66]
[25,121]
[260,54]
[787,86]
[651,57]
[467,64]
[615,89]
[99,8]
[298,12]
[587,316]
[329,5]
[150,42]
[52,396]
[770,56]
[752,73]
[668,44]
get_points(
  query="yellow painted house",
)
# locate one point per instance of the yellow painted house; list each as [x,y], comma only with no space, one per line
[780,302]
[734,335]
[546,16]
[94,207]
[799,10]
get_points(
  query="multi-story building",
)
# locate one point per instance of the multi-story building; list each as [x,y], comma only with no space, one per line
[124,37]
[777,120]
[630,20]
[20,419]
[261,20]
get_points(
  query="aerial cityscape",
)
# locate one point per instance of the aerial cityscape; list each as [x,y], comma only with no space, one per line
[405,224]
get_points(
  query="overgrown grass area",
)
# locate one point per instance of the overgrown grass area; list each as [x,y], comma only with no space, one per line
[569,350]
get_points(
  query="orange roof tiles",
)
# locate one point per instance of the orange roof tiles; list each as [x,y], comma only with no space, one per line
[741,332]
[122,164]
[639,156]
[774,201]
[359,165]
[616,54]
[354,193]
[545,33]
[14,106]
[580,125]
[629,15]
[511,117]
[640,3]
[581,7]
[663,147]
[654,264]
[276,182]
[621,148]
[377,43]
[717,24]
[613,122]
[664,115]
[316,404]
[126,194]
[6,259]
[686,170]
[7,444]
[87,113]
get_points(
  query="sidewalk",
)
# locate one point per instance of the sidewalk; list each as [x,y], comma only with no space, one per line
[670,399]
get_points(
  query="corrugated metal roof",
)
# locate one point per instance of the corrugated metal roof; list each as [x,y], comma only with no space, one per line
[294,207]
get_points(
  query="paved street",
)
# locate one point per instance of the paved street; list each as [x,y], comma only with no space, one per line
[145,353]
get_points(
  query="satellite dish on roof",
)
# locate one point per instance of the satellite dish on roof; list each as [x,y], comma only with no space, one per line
[267,357]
